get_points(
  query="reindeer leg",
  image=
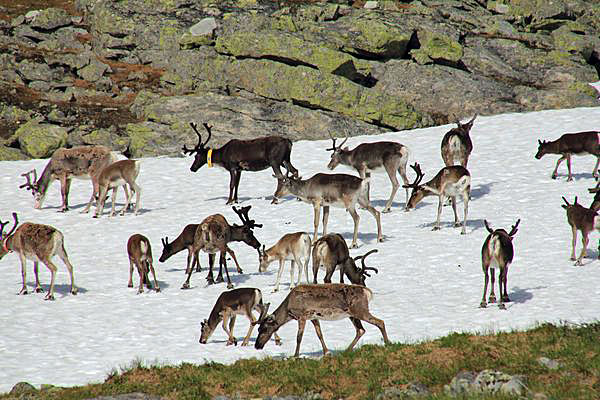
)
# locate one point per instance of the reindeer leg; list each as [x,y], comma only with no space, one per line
[211,262]
[65,185]
[251,328]
[492,298]
[94,193]
[402,172]
[363,174]
[574,229]
[391,171]
[130,283]
[52,268]
[466,210]
[142,273]
[223,261]
[138,193]
[232,184]
[197,261]
[279,175]
[555,172]
[301,324]
[359,331]
[356,220]
[584,242]
[317,326]
[279,272]
[317,212]
[500,280]
[307,259]
[62,254]
[436,227]
[232,254]
[226,317]
[595,172]
[38,287]
[504,275]
[483,303]
[453,202]
[297,263]
[376,214]
[114,201]
[325,219]
[328,274]
[156,287]
[100,202]
[368,317]
[23,273]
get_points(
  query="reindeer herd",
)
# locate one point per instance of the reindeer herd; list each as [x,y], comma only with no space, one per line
[309,301]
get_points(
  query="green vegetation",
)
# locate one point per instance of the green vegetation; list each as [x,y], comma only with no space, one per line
[366,372]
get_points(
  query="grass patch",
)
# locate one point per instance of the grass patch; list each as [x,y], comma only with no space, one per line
[367,371]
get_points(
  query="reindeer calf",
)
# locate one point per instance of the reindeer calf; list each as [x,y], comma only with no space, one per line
[140,254]
[293,247]
[117,174]
[583,219]
[497,252]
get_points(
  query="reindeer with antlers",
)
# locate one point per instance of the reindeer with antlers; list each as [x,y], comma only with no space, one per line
[366,157]
[331,252]
[449,182]
[84,162]
[243,155]
[36,242]
[212,236]
[497,252]
[583,219]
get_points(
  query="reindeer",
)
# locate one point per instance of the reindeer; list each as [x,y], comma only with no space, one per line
[457,144]
[229,304]
[331,252]
[596,202]
[84,162]
[330,301]
[38,243]
[243,155]
[325,190]
[293,247]
[117,174]
[140,254]
[449,182]
[368,157]
[185,240]
[583,219]
[497,252]
[212,236]
[580,143]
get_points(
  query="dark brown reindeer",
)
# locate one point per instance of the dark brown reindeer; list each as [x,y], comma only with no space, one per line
[449,182]
[583,219]
[329,301]
[234,302]
[580,143]
[185,240]
[497,252]
[337,190]
[212,236]
[457,144]
[243,155]
[331,252]
[366,157]
[596,202]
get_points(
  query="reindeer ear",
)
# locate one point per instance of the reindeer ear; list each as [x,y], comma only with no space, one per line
[539,142]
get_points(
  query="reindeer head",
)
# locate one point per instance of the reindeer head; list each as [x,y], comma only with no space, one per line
[34,187]
[463,129]
[543,149]
[201,150]
[263,259]
[566,206]
[513,230]
[360,274]
[418,191]
[167,250]
[285,185]
[266,328]
[245,232]
[4,236]
[336,156]
[206,331]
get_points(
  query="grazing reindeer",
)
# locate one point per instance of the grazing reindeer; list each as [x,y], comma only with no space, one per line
[596,202]
[293,247]
[117,174]
[331,252]
[212,236]
[449,182]
[497,252]
[83,162]
[243,155]
[457,144]
[229,304]
[580,143]
[371,156]
[38,243]
[140,254]
[583,219]
[185,240]
[330,301]
[338,190]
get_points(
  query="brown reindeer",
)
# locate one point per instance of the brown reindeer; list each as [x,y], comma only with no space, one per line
[185,240]
[583,219]
[120,173]
[457,144]
[83,162]
[212,236]
[337,190]
[140,254]
[497,252]
[580,143]
[366,157]
[449,182]
[294,247]
[229,304]
[330,301]
[36,242]
[331,252]
[243,155]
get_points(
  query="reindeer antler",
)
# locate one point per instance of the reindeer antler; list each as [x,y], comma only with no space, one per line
[487,226]
[200,145]
[3,224]
[334,147]
[362,261]
[565,200]
[165,241]
[514,228]
[28,185]
[243,214]
[417,168]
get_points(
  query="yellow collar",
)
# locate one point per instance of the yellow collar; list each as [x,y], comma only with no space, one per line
[209,158]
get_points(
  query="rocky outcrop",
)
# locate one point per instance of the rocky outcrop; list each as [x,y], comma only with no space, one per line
[133,74]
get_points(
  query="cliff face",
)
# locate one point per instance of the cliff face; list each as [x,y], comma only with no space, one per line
[132,74]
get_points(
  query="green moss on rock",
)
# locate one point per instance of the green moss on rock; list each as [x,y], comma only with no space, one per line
[40,140]
[440,47]
[10,154]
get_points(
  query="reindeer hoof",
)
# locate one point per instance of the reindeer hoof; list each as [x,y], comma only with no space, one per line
[157,289]
[240,271]
[130,285]
[74,292]
[23,292]
[39,290]
[244,344]
[277,290]
[483,304]
[502,306]
[278,342]
[185,286]
[275,201]
[229,286]
[553,176]
[463,232]
[505,299]
[354,246]
[578,263]
[436,228]
[219,279]
[49,297]
[492,299]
